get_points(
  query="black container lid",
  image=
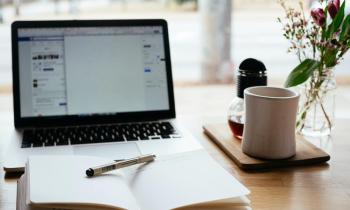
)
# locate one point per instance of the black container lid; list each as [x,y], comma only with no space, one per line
[252,72]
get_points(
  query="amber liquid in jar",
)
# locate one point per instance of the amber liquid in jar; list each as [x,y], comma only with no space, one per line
[236,128]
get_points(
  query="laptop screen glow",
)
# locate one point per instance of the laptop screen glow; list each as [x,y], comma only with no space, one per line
[91,70]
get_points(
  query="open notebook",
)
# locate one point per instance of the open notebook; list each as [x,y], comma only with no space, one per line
[191,180]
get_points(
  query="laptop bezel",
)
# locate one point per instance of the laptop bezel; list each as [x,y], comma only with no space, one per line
[71,120]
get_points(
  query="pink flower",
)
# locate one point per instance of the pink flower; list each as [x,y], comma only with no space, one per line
[337,4]
[333,7]
[318,16]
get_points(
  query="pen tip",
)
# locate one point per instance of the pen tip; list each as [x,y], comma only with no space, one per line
[89,172]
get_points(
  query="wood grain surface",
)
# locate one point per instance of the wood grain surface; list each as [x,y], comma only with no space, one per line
[320,187]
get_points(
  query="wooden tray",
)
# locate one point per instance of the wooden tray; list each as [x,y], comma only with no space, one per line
[221,135]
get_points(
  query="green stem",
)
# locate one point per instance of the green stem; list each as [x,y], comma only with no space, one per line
[325,113]
[312,94]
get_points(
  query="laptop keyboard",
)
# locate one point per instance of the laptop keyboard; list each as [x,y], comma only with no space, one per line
[98,134]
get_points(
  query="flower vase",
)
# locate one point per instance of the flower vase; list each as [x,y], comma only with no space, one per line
[317,105]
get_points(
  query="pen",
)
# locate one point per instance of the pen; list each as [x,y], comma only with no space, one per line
[121,164]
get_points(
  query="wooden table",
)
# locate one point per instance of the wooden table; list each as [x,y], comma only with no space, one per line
[325,186]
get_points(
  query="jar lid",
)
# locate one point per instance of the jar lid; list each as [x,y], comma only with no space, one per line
[253,66]
[251,72]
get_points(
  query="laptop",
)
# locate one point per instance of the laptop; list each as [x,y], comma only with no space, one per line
[93,87]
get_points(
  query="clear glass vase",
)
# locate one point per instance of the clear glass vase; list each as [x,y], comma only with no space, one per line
[317,104]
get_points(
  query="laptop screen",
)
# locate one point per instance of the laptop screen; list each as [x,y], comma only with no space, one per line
[91,70]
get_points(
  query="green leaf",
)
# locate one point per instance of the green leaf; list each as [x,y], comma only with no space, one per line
[302,72]
[330,58]
[345,29]
[338,19]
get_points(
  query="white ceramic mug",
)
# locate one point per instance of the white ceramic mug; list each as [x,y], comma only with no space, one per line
[269,128]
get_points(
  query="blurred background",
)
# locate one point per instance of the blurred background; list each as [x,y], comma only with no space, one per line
[208,38]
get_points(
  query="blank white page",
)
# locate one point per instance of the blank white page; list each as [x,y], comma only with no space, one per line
[182,180]
[62,180]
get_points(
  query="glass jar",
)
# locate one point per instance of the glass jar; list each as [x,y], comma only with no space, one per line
[236,117]
[251,72]
[317,104]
